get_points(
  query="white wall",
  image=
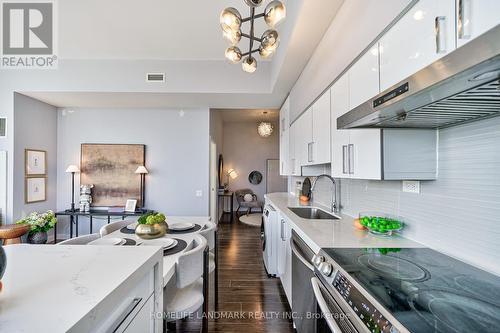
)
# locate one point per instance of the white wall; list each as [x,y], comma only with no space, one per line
[355,26]
[35,128]
[245,151]
[177,153]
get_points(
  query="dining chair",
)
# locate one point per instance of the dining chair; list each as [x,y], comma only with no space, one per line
[109,228]
[82,240]
[209,231]
[185,294]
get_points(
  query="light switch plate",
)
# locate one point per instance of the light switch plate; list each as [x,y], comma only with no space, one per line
[199,193]
[411,186]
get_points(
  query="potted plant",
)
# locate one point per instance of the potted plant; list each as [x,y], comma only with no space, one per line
[152,225]
[40,224]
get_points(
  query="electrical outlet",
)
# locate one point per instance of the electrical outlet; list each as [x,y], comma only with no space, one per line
[411,186]
[199,193]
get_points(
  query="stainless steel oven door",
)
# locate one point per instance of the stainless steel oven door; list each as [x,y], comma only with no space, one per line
[330,316]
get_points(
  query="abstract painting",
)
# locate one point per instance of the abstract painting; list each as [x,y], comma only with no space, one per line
[110,168]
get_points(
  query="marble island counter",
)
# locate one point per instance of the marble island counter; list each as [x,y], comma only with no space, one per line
[332,233]
[76,288]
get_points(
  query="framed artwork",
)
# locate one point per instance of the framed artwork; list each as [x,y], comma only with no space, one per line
[111,169]
[131,205]
[35,189]
[35,162]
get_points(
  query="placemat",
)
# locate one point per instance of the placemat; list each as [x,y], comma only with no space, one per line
[124,230]
[195,229]
[181,245]
[129,242]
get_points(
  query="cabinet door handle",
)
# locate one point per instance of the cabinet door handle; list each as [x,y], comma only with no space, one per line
[309,152]
[344,159]
[464,19]
[293,166]
[351,159]
[440,34]
[282,232]
[124,315]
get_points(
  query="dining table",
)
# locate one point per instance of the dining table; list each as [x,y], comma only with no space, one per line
[169,261]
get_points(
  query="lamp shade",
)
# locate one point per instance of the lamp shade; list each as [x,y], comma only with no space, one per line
[73,169]
[142,170]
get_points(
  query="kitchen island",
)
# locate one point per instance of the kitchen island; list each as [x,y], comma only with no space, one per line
[74,288]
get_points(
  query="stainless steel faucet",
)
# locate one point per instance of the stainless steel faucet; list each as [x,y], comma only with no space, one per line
[335,206]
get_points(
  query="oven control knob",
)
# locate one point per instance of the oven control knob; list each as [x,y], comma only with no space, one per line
[326,269]
[317,260]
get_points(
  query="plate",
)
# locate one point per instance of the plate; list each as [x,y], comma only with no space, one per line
[131,226]
[181,226]
[165,243]
[109,241]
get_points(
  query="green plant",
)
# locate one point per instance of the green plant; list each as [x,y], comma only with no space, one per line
[152,218]
[39,222]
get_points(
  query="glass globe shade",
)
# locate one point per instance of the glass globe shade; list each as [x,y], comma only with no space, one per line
[270,41]
[249,65]
[265,129]
[230,19]
[265,53]
[254,3]
[233,54]
[232,36]
[275,13]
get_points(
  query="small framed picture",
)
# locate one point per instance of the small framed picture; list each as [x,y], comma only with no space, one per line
[35,189]
[36,162]
[130,206]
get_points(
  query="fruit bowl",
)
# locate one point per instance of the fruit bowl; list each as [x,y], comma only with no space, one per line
[380,223]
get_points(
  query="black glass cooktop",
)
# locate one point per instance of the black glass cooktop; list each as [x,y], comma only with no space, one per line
[425,290]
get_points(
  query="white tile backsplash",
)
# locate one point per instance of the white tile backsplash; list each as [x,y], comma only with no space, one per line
[459,213]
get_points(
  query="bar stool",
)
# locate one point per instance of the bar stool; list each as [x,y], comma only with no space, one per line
[11,233]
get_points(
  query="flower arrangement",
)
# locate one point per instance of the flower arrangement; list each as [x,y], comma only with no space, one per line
[39,222]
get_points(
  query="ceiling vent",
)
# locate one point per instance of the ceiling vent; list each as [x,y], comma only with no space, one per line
[155,77]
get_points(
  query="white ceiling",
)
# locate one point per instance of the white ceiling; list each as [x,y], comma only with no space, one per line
[248,115]
[182,39]
[147,29]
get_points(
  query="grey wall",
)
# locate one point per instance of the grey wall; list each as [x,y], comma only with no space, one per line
[177,152]
[458,213]
[35,128]
[355,26]
[245,151]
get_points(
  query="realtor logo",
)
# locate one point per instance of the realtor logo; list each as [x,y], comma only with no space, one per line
[28,34]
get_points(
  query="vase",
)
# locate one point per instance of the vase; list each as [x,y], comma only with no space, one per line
[151,231]
[39,237]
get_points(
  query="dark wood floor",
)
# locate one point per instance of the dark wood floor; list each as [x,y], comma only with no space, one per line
[249,301]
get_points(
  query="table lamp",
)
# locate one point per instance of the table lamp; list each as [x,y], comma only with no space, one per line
[231,174]
[73,169]
[143,172]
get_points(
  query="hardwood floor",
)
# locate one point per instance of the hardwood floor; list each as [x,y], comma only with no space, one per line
[249,301]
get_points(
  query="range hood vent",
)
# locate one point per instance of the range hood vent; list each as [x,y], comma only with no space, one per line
[460,87]
[155,77]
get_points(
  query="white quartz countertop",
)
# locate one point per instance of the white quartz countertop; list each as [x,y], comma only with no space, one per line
[50,288]
[330,234]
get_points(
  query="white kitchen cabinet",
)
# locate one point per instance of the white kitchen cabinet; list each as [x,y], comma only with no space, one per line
[142,322]
[356,153]
[295,169]
[320,148]
[285,167]
[423,35]
[285,257]
[304,135]
[475,17]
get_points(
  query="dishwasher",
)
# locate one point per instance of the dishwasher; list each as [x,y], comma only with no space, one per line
[303,300]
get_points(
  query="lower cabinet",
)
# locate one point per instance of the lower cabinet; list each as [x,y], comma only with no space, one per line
[285,257]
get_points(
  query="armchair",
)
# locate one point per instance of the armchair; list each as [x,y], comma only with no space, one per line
[249,205]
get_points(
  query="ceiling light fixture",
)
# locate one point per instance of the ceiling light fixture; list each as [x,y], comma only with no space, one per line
[265,129]
[231,21]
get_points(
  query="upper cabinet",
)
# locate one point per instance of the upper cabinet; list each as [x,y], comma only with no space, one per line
[475,17]
[285,138]
[320,148]
[421,36]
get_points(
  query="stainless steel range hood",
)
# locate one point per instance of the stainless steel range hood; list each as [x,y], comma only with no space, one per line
[462,86]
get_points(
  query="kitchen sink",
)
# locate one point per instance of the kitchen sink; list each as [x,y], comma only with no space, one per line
[312,213]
